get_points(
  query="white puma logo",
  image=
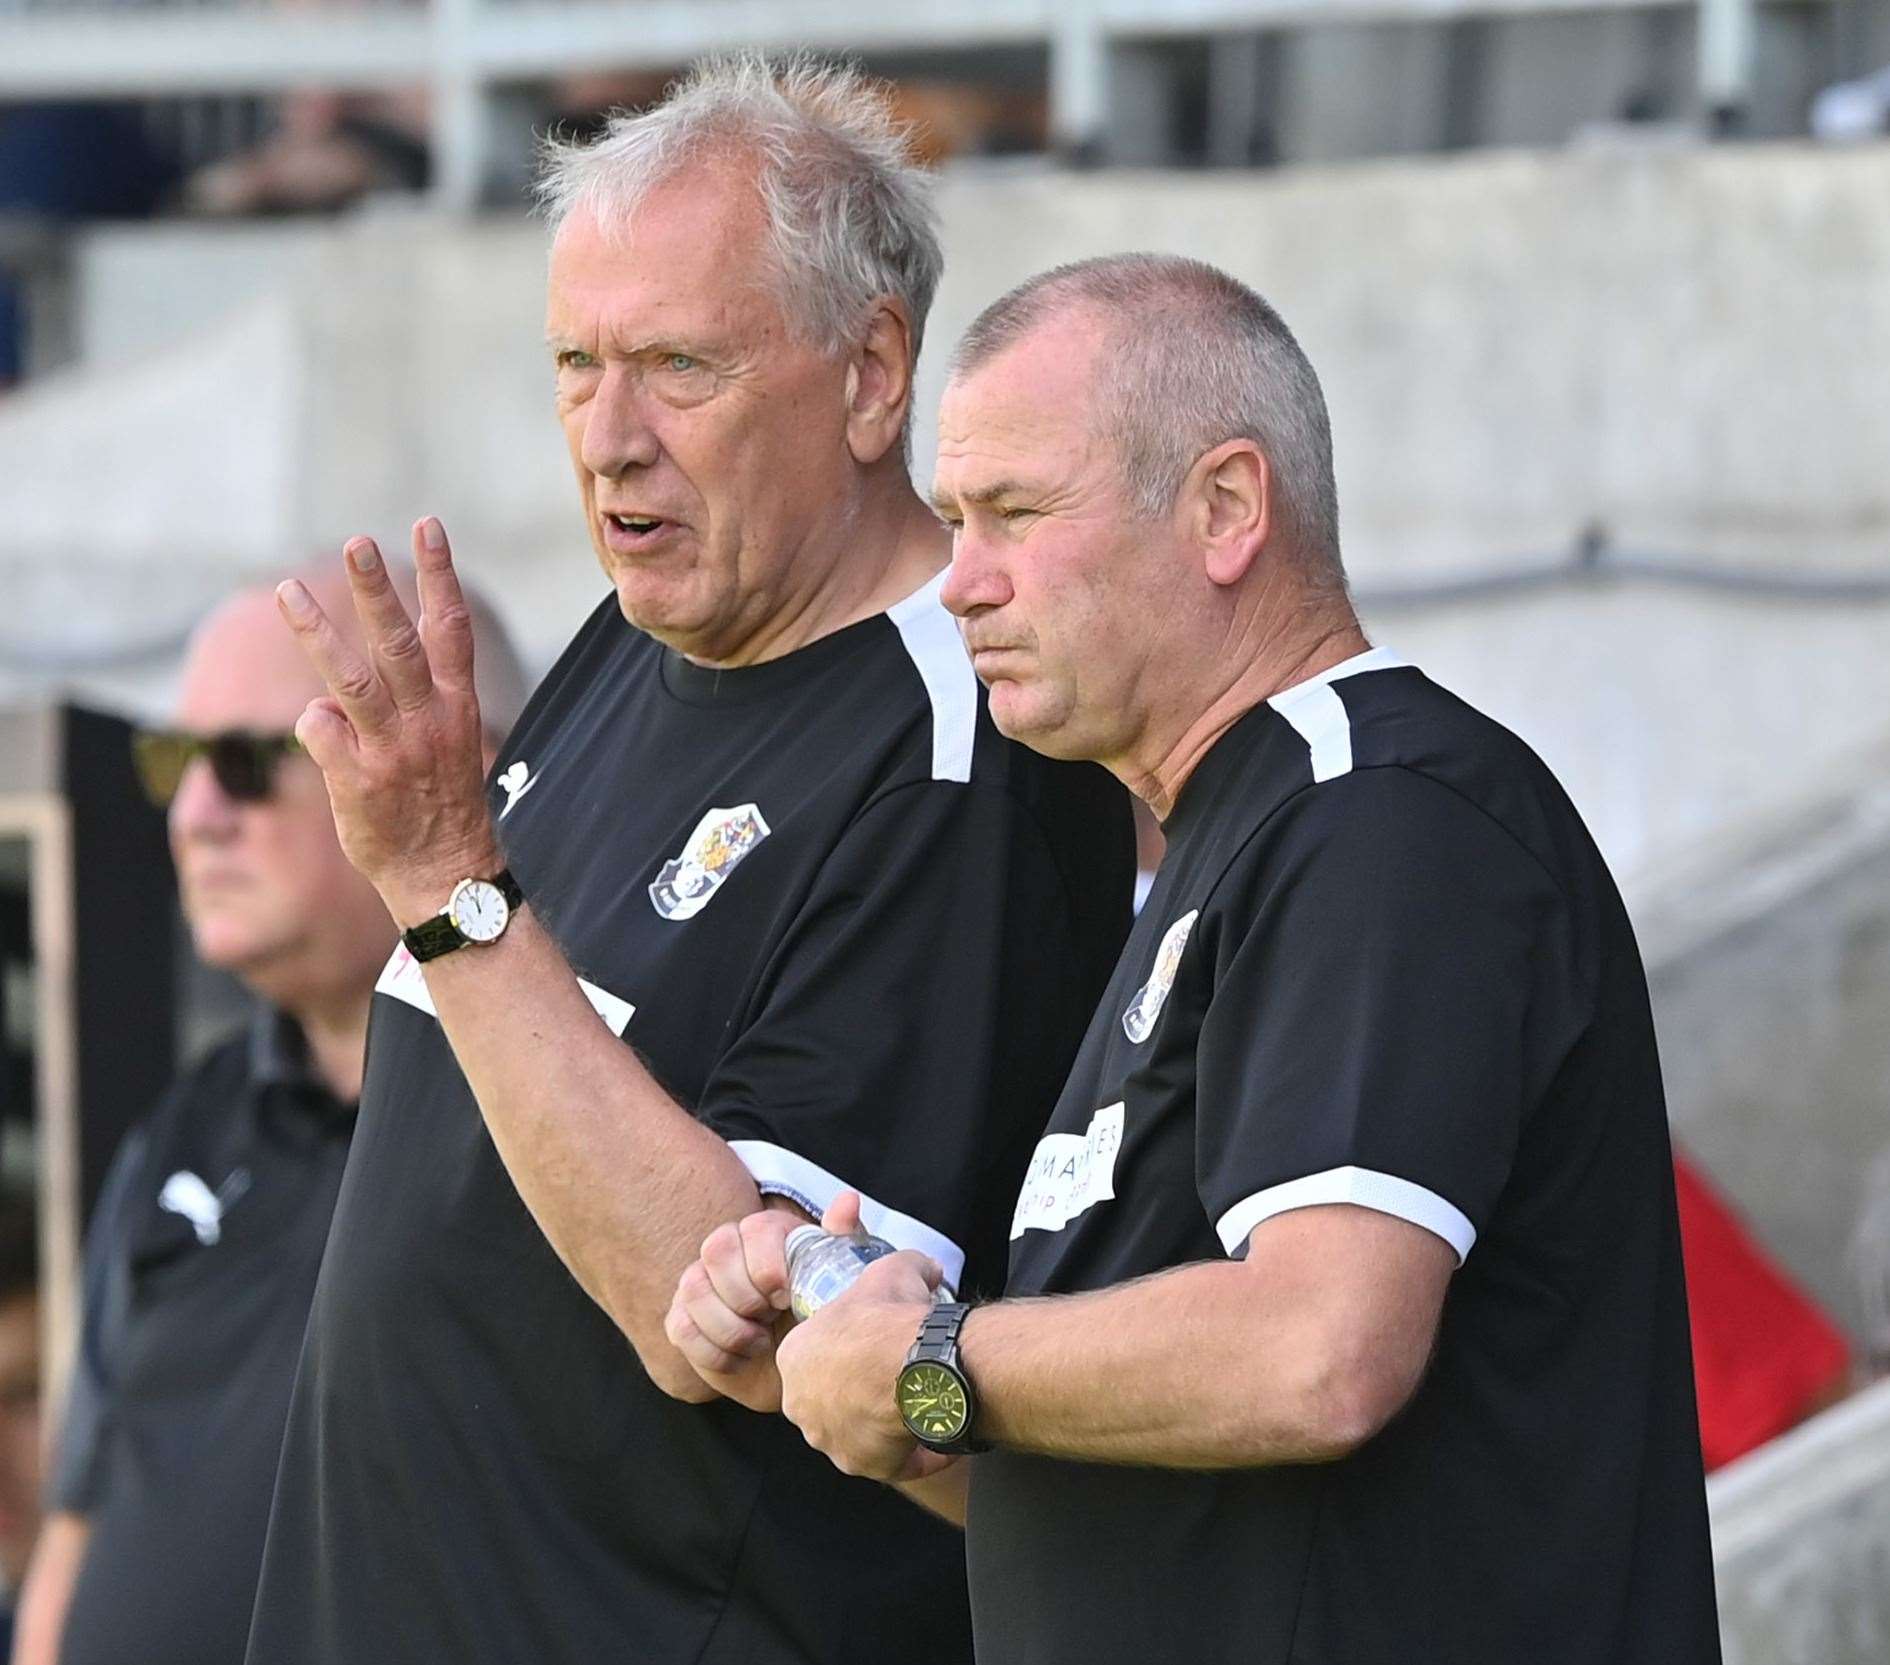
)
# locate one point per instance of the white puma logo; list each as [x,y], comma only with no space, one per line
[516,782]
[184,1193]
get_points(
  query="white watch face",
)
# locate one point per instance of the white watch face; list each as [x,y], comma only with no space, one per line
[479,910]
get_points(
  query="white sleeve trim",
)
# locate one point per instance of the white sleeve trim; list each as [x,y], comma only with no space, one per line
[783,1173]
[1384,1192]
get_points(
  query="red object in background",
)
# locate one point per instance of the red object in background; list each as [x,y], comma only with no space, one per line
[1764,1355]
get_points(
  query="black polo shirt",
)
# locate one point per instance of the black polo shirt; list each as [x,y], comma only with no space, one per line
[1382,964]
[858,934]
[200,1263]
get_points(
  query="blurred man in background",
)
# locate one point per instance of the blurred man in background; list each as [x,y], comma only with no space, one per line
[768,908]
[203,1249]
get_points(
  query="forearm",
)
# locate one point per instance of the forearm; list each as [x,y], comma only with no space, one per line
[46,1592]
[623,1181]
[944,1494]
[1186,1369]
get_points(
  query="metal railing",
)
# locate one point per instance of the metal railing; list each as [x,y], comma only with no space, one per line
[469,52]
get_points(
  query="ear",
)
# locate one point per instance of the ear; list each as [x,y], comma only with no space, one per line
[879,383]
[1228,501]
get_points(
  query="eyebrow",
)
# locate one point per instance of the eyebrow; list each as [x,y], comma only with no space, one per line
[655,344]
[978,494]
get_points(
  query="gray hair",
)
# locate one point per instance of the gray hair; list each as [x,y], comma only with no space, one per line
[850,213]
[1194,358]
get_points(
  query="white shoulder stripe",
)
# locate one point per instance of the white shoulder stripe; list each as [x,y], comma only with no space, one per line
[1320,716]
[931,637]
[1385,1193]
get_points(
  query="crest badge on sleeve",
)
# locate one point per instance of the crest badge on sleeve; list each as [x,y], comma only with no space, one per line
[714,850]
[1138,1022]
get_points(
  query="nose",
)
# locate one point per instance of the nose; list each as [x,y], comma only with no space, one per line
[976,579]
[202,812]
[618,435]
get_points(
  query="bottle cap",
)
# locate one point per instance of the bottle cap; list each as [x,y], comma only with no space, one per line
[798,1239]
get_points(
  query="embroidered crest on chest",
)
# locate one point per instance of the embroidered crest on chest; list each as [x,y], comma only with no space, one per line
[721,842]
[1138,1021]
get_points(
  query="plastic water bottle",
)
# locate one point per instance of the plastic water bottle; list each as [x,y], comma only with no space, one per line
[822,1267]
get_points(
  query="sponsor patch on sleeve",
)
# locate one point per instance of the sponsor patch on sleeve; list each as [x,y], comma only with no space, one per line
[1069,1173]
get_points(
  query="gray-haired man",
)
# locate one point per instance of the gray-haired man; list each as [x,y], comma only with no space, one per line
[1356,1328]
[768,909]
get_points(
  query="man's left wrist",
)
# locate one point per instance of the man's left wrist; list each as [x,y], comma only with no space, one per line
[935,1395]
[416,897]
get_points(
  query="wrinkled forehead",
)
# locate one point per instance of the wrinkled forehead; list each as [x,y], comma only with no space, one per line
[694,245]
[1029,411]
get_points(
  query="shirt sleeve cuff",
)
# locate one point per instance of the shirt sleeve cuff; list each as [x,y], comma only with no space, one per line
[781,1173]
[1362,1186]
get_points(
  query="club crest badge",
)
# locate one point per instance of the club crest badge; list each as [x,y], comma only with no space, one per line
[1138,1022]
[714,850]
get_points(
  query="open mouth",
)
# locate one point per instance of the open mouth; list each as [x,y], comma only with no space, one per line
[631,532]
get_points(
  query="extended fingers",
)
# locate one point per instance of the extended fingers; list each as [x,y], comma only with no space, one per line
[393,641]
[445,619]
[359,693]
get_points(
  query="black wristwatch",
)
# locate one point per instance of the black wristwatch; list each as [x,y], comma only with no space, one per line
[933,1392]
[478,911]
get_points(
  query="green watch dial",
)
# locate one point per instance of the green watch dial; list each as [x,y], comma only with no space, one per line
[932,1400]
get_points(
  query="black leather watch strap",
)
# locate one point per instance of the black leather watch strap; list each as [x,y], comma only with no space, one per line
[439,935]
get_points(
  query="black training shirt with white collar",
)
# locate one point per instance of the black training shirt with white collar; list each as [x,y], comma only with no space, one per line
[858,934]
[1382,964]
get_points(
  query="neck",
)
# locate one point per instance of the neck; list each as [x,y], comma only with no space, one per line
[1261,660]
[335,1027]
[887,544]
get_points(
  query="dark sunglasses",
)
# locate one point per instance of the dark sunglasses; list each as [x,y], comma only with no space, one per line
[244,764]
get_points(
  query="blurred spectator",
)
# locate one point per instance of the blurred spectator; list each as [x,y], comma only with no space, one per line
[946,118]
[329,150]
[203,1250]
[959,118]
[64,162]
[19,1398]
[1764,1356]
[80,161]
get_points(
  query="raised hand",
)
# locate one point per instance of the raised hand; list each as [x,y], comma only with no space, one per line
[398,734]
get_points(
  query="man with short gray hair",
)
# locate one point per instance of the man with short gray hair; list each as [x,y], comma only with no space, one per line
[767,910]
[1346,1316]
